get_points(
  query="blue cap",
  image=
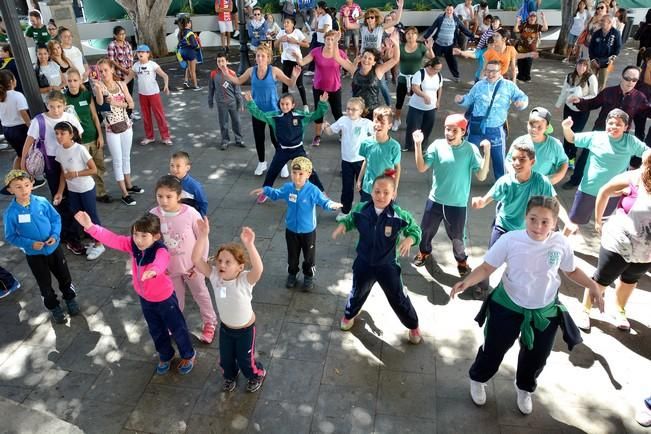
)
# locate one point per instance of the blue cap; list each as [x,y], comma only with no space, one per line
[143,47]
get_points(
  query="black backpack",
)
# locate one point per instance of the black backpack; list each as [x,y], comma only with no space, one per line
[422,77]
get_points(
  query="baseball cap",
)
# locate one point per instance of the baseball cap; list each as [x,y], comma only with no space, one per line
[302,163]
[143,47]
[456,120]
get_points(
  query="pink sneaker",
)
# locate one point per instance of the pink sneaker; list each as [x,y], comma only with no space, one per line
[262,198]
[208,333]
[414,336]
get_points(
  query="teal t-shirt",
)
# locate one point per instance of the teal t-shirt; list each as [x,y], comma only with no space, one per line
[608,157]
[379,157]
[550,155]
[40,35]
[452,169]
[514,196]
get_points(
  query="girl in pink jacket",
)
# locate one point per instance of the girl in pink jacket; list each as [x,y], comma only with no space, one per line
[160,307]
[179,229]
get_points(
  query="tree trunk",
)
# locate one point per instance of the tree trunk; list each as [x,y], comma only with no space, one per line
[148,18]
[568,8]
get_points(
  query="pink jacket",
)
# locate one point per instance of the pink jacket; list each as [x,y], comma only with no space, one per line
[157,288]
[180,235]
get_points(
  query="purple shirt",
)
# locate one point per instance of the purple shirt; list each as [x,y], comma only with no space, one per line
[327,72]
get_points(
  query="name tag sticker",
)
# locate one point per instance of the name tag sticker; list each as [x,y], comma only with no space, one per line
[226,84]
[83,103]
[24,218]
[388,230]
[222,292]
[292,197]
[163,227]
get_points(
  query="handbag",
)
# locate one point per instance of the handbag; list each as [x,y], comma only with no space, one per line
[41,78]
[35,161]
[119,127]
[477,124]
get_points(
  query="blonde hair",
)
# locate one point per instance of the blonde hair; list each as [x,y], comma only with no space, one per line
[264,47]
[384,113]
[235,249]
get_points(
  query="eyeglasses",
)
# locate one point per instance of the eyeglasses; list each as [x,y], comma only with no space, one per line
[631,79]
[352,109]
[256,15]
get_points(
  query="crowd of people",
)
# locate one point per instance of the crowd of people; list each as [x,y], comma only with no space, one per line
[92,106]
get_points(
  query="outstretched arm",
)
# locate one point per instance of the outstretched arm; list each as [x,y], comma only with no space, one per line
[248,239]
[477,275]
[200,264]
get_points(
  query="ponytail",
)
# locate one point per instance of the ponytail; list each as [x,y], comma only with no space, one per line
[6,77]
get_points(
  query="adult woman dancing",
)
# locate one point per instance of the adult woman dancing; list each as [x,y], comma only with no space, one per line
[528,42]
[58,56]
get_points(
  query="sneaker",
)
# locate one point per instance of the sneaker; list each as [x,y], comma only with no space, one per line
[128,200]
[620,321]
[95,252]
[643,416]
[262,198]
[162,367]
[260,168]
[196,88]
[291,281]
[6,292]
[75,247]
[570,164]
[478,392]
[582,320]
[414,336]
[308,73]
[58,315]
[463,268]
[568,186]
[240,145]
[229,385]
[308,283]
[396,125]
[73,307]
[38,183]
[255,384]
[420,259]
[525,404]
[146,141]
[3,146]
[186,365]
[186,85]
[104,199]
[456,79]
[135,189]
[346,324]
[404,149]
[306,109]
[316,141]
[208,333]
[135,116]
[168,142]
[284,173]
[224,146]
[236,33]
[341,216]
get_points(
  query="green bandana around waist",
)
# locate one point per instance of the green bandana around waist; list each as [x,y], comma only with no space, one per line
[538,316]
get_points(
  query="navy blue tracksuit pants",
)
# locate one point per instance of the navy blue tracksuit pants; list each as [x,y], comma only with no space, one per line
[237,352]
[388,276]
[163,317]
[7,279]
[281,157]
[502,329]
[454,220]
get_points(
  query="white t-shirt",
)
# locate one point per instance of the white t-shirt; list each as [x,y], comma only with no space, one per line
[53,74]
[289,48]
[354,133]
[51,143]
[10,109]
[76,57]
[323,21]
[371,39]
[146,75]
[233,298]
[430,86]
[465,13]
[75,159]
[531,278]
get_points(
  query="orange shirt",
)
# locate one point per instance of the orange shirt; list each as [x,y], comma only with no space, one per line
[505,58]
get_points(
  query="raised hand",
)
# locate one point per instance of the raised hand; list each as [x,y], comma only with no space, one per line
[247,236]
[486,144]
[203,227]
[296,72]
[418,137]
[567,122]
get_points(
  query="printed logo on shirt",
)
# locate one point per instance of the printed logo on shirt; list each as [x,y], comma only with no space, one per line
[388,230]
[293,197]
[553,258]
[357,131]
[295,122]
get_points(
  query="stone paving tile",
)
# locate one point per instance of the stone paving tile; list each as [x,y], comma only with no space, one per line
[163,409]
[302,342]
[293,381]
[385,424]
[462,415]
[308,308]
[344,409]
[280,416]
[403,393]
[123,382]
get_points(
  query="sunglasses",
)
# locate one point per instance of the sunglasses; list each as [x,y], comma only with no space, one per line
[256,15]
[370,18]
[631,79]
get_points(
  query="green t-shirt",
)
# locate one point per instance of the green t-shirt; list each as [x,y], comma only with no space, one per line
[81,105]
[550,155]
[410,63]
[608,157]
[514,196]
[379,157]
[40,35]
[452,169]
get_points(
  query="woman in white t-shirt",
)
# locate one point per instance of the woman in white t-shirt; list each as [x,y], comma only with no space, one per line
[73,53]
[77,169]
[48,73]
[323,23]
[525,303]
[14,115]
[290,39]
[427,86]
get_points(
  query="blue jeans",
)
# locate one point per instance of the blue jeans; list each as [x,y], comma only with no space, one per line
[84,202]
[497,137]
[349,174]
[384,88]
[162,318]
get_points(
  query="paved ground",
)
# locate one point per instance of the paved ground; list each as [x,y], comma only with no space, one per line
[97,372]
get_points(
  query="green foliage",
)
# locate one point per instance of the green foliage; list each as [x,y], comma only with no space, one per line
[271,7]
[186,8]
[388,7]
[421,6]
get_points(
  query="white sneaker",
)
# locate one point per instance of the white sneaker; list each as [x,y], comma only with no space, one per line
[3,146]
[95,252]
[478,392]
[341,217]
[582,320]
[260,169]
[643,416]
[525,404]
[396,125]
[306,108]
[284,173]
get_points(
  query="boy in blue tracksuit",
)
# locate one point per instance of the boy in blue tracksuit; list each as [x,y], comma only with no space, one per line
[193,193]
[33,225]
[381,223]
[289,127]
[302,197]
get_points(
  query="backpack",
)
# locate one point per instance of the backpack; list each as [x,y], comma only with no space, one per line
[410,92]
[36,161]
[41,78]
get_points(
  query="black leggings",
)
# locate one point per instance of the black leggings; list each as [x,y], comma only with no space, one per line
[401,92]
[334,99]
[258,136]
[288,66]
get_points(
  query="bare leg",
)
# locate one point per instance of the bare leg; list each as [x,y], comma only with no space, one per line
[123,188]
[317,129]
[623,292]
